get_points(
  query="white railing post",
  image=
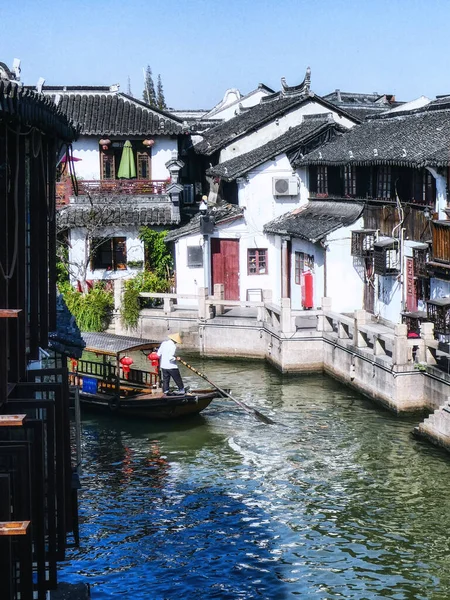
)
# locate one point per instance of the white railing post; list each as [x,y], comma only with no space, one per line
[219,294]
[118,294]
[285,318]
[427,335]
[202,308]
[267,299]
[168,305]
[322,322]
[359,339]
[400,350]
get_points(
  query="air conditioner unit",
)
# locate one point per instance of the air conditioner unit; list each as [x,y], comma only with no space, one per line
[284,186]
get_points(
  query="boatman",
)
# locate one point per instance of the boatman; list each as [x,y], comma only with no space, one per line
[168,364]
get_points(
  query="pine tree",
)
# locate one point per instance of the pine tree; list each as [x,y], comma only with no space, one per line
[149,94]
[160,100]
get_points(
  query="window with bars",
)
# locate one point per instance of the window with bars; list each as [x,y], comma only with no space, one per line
[108,165]
[384,182]
[349,180]
[302,262]
[110,254]
[322,180]
[257,261]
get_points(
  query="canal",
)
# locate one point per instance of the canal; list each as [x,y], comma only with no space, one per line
[336,500]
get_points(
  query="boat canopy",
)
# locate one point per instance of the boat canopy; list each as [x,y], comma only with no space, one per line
[113,345]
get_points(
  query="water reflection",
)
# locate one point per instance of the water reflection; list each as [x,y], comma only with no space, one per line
[335,501]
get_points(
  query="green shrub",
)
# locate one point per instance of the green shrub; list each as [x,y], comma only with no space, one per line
[92,310]
[132,304]
[157,255]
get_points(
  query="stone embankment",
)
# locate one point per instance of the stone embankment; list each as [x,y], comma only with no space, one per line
[374,357]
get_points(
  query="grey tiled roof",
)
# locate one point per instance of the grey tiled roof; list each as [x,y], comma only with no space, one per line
[267,110]
[315,220]
[222,213]
[73,215]
[416,139]
[311,127]
[112,113]
[31,109]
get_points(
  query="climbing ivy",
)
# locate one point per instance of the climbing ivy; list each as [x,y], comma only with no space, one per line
[157,255]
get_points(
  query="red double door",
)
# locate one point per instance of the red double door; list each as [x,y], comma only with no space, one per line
[225,266]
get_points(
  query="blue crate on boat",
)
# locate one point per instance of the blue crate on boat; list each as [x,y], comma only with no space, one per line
[89,385]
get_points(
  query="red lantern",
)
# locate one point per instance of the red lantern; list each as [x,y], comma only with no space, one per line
[126,361]
[74,364]
[153,358]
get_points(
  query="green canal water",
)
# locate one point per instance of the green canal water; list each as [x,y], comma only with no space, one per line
[336,500]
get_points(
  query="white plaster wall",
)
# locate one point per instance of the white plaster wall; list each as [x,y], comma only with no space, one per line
[229,111]
[344,285]
[388,298]
[161,153]
[188,279]
[275,128]
[87,148]
[318,273]
[77,252]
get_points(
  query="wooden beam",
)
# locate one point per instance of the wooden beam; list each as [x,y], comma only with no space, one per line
[12,420]
[13,527]
[9,313]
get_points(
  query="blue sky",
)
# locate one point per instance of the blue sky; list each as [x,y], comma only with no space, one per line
[203,47]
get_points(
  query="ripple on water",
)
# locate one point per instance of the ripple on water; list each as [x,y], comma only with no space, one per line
[336,500]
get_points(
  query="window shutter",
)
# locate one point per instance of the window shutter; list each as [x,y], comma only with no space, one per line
[108,165]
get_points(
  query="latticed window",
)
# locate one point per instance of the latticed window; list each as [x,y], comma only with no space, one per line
[108,165]
[386,257]
[362,242]
[302,262]
[438,312]
[110,254]
[257,261]
[349,180]
[384,182]
[322,180]
[143,160]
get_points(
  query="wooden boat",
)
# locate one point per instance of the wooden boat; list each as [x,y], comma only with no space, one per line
[109,383]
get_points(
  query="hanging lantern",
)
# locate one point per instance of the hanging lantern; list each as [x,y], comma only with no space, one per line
[153,358]
[126,362]
[105,143]
[74,364]
[148,143]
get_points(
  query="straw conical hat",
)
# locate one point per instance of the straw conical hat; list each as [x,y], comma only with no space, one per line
[175,337]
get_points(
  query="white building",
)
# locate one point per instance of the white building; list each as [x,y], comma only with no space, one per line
[102,216]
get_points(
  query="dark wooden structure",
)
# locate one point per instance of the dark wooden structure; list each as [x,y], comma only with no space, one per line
[37,502]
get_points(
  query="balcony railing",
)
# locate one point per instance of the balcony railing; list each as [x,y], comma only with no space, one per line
[110,187]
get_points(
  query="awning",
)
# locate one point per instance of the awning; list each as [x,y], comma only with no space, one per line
[127,168]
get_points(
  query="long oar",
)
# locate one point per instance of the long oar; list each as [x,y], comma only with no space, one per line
[249,409]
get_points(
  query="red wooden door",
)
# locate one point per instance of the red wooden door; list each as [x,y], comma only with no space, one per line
[411,292]
[225,266]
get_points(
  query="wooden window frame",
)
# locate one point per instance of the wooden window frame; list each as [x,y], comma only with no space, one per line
[349,180]
[256,257]
[302,260]
[107,158]
[116,264]
[322,179]
[384,181]
[144,157]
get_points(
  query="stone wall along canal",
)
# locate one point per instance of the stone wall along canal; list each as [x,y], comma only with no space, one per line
[337,500]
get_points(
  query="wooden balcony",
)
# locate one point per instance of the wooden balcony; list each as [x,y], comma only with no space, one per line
[106,188]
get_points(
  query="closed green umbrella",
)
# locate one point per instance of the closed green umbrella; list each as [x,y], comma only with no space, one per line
[127,168]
